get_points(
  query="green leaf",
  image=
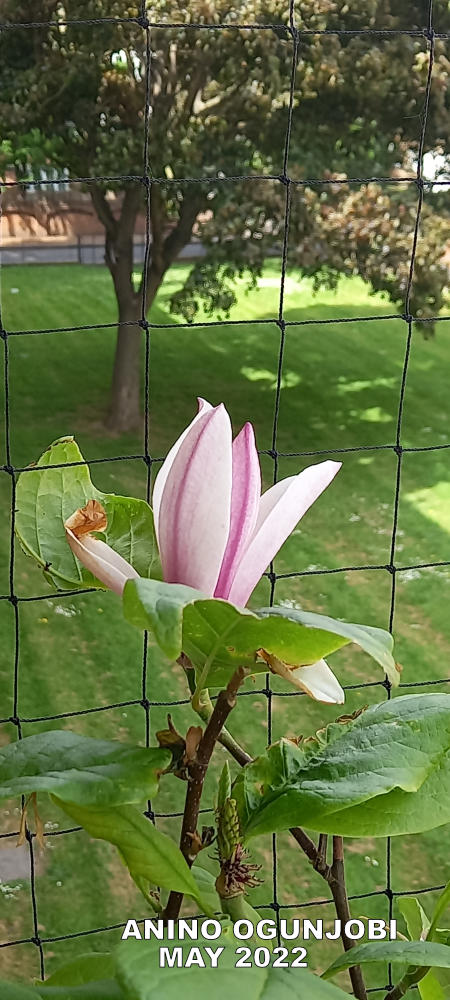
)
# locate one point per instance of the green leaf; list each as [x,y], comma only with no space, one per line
[420,954]
[206,884]
[215,633]
[46,497]
[83,969]
[415,917]
[383,774]
[418,924]
[224,786]
[430,988]
[105,989]
[81,769]
[376,642]
[159,608]
[440,908]
[148,853]
[141,977]
[102,989]
[15,991]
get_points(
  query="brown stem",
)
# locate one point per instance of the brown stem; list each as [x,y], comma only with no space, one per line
[339,893]
[196,776]
[323,845]
[205,709]
[411,978]
[333,874]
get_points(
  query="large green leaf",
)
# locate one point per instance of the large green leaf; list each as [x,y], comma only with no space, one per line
[420,954]
[106,989]
[150,855]
[46,497]
[385,773]
[141,977]
[217,634]
[430,988]
[84,969]
[81,769]
[206,883]
[16,991]
[101,989]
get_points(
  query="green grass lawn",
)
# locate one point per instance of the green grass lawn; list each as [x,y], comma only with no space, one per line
[340,389]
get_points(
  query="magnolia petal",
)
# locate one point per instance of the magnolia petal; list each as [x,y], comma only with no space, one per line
[98,557]
[194,510]
[245,496]
[319,682]
[160,481]
[281,508]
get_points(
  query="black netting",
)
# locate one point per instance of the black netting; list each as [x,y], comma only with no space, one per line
[411,322]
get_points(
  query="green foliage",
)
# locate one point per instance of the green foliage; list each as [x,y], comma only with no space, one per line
[441,906]
[357,106]
[219,637]
[83,969]
[80,769]
[206,883]
[417,953]
[15,991]
[141,978]
[88,977]
[386,773]
[432,984]
[150,855]
[224,786]
[105,989]
[46,497]
[415,917]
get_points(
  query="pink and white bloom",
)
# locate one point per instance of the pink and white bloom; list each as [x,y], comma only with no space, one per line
[215,531]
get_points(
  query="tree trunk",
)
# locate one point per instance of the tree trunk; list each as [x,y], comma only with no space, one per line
[125,412]
[125,409]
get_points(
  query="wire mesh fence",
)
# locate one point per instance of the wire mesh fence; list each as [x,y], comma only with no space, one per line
[145,696]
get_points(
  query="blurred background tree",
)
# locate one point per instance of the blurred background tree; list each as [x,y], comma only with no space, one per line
[74,98]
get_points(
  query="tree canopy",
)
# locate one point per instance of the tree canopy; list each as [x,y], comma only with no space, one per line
[74,95]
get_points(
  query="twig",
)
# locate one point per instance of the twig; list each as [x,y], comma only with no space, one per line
[339,893]
[204,709]
[410,979]
[333,874]
[196,775]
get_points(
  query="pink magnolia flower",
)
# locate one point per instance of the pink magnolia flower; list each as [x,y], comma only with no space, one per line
[215,531]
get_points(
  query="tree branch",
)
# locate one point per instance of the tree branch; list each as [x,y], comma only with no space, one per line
[334,875]
[182,231]
[196,776]
[128,212]
[339,893]
[165,249]
[103,210]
